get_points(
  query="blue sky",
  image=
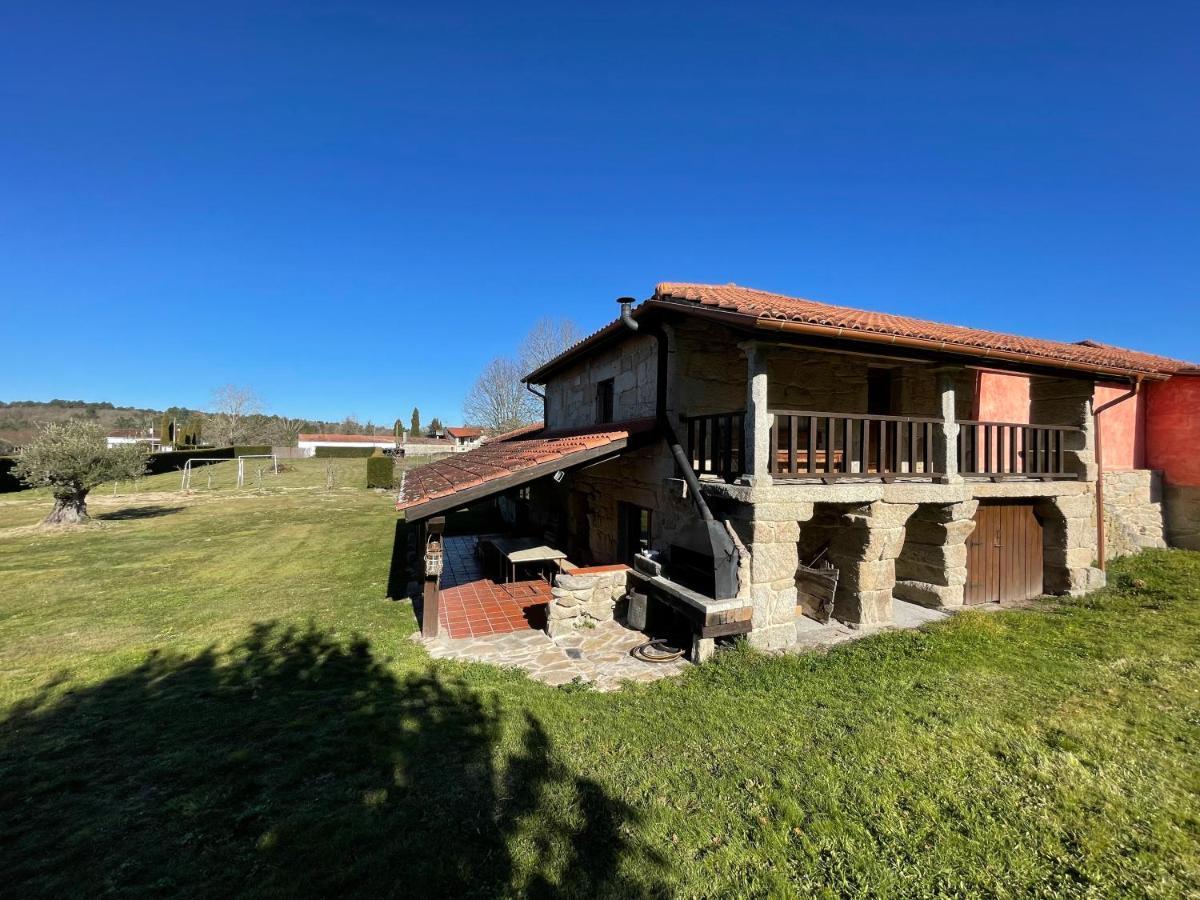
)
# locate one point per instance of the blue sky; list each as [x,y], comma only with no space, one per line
[352,206]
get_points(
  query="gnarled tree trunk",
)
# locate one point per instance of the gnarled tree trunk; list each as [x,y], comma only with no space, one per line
[68,510]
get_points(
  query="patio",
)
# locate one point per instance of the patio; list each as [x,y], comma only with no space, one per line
[474,605]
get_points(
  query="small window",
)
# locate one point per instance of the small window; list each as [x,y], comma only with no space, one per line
[604,401]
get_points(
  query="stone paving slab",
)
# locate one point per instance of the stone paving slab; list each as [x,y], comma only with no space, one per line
[600,655]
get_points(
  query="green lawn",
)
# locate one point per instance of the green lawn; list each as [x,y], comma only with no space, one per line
[214,697]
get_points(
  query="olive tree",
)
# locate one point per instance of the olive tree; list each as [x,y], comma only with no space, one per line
[71,458]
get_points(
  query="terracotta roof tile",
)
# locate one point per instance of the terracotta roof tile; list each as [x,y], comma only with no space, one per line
[508,454]
[765,305]
[463,431]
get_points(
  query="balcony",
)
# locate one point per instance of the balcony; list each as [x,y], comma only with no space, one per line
[827,446]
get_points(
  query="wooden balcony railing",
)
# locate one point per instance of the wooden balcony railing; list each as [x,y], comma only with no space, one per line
[716,444]
[832,445]
[1013,449]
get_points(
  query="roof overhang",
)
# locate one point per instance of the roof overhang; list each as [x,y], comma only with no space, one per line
[634,438]
[833,337]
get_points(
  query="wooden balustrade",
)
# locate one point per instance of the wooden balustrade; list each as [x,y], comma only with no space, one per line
[717,443]
[839,444]
[1013,449]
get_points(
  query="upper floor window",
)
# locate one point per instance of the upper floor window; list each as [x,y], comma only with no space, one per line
[604,400]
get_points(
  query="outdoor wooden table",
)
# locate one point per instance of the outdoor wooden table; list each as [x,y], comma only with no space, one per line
[518,551]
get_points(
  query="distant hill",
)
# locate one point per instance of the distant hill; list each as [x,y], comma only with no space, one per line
[20,420]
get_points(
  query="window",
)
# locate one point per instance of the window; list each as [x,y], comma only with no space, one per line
[633,531]
[604,401]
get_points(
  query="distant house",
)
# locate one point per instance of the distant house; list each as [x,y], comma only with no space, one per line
[425,446]
[121,436]
[308,443]
[465,437]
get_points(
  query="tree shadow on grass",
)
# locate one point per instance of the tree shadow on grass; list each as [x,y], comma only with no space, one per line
[138,512]
[298,765]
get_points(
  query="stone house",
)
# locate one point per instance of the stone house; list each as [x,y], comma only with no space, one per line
[735,448]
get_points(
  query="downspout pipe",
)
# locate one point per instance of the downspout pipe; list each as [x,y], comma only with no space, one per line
[725,552]
[1101,537]
[529,387]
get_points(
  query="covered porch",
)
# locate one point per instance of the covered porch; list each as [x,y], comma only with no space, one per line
[819,415]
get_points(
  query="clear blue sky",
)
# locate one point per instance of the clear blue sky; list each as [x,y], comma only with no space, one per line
[351,206]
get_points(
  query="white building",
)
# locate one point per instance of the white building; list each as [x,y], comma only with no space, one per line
[135,436]
[465,437]
[308,443]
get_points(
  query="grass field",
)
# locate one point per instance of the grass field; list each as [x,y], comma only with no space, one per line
[210,695]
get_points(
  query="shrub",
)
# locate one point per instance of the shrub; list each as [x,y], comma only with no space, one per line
[8,481]
[381,470]
[343,452]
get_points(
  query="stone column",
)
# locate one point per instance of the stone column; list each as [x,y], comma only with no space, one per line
[946,445]
[1067,401]
[932,567]
[756,466]
[1069,544]
[864,550]
[774,558]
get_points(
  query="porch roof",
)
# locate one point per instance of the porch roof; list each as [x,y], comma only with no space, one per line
[763,310]
[512,460]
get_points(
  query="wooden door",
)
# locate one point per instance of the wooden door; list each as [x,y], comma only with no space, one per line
[1004,554]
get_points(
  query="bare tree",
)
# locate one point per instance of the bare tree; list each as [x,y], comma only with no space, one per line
[545,340]
[232,406]
[497,400]
[285,432]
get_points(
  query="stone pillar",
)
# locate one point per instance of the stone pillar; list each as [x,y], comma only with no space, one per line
[1067,401]
[1069,544]
[774,558]
[583,598]
[946,445]
[932,567]
[756,466]
[864,550]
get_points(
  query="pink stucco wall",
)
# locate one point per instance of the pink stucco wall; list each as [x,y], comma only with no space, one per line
[1002,398]
[1122,428]
[1005,398]
[1173,429]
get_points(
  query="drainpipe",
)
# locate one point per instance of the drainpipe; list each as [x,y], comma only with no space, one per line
[529,387]
[725,553]
[1100,535]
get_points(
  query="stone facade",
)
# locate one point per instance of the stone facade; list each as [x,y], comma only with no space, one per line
[1133,512]
[584,598]
[631,364]
[1069,544]
[932,567]
[1183,516]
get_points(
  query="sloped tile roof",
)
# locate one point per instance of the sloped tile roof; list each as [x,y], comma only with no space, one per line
[761,308]
[765,305]
[510,454]
[462,431]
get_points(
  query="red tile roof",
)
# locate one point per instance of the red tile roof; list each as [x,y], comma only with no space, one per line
[765,305]
[770,311]
[464,432]
[531,450]
[347,438]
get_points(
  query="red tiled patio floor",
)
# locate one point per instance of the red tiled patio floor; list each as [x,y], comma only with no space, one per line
[475,606]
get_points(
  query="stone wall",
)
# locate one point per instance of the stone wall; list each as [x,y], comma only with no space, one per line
[1183,516]
[584,598]
[571,395]
[1067,401]
[1069,544]
[1133,512]
[932,567]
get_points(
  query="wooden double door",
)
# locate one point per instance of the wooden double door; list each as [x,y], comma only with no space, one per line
[1004,554]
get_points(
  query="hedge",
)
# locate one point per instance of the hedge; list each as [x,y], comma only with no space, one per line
[8,481]
[343,452]
[173,460]
[381,471]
